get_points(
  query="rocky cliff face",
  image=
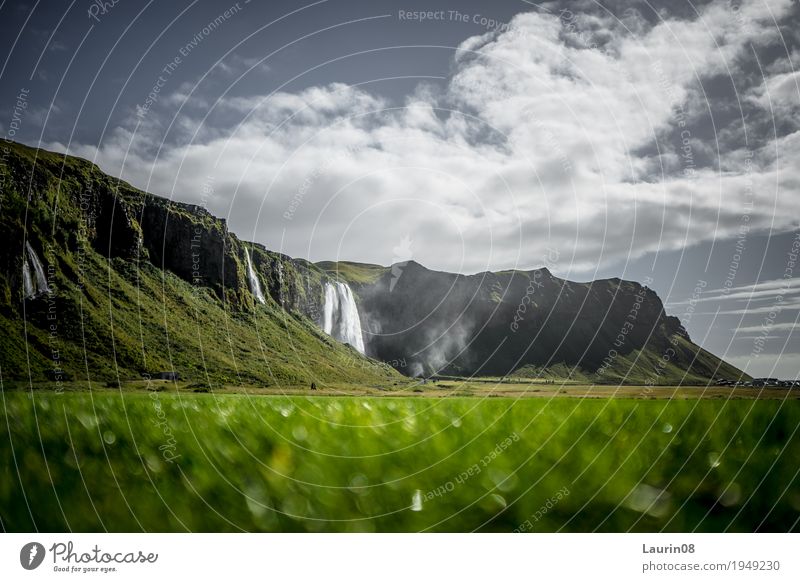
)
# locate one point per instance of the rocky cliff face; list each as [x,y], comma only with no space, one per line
[294,284]
[191,243]
[527,323]
[141,283]
[119,221]
[109,246]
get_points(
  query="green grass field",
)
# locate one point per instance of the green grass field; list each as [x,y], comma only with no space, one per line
[162,461]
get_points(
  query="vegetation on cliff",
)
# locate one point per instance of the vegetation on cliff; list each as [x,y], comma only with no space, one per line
[140,284]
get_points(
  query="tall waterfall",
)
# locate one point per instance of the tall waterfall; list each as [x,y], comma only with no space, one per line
[252,279]
[340,315]
[35,282]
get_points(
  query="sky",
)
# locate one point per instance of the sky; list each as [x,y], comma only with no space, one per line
[642,140]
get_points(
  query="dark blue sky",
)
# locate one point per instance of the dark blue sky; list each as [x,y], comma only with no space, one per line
[95,68]
[94,71]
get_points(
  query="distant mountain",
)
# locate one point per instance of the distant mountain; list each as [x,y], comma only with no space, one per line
[524,323]
[99,281]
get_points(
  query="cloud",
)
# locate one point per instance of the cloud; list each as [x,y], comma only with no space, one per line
[766,298]
[787,306]
[531,145]
[772,328]
[779,94]
[56,46]
[757,292]
[761,286]
[237,65]
[781,365]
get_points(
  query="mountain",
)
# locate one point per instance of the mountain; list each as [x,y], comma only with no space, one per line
[524,323]
[100,281]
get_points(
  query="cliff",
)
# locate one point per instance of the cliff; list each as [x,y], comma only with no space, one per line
[137,283]
[524,323]
[99,280]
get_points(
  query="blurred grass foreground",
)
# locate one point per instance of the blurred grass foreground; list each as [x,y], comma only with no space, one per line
[176,462]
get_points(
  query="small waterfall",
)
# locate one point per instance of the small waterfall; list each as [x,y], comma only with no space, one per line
[280,282]
[252,279]
[27,282]
[340,315]
[34,281]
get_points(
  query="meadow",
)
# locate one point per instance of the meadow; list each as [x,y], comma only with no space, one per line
[110,460]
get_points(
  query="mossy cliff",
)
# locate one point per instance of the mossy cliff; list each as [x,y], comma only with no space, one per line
[140,284]
[137,283]
[525,323]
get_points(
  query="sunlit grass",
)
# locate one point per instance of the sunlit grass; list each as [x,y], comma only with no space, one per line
[96,461]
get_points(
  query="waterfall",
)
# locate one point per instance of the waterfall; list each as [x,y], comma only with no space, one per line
[27,283]
[33,283]
[280,283]
[252,278]
[340,315]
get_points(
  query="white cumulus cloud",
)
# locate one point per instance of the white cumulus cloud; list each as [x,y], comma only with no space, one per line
[532,145]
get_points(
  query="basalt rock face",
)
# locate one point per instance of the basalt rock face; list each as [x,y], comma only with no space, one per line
[75,201]
[137,283]
[294,284]
[74,206]
[196,246]
[528,323]
[112,225]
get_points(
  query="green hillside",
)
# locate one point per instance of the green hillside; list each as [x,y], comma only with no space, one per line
[139,284]
[128,296]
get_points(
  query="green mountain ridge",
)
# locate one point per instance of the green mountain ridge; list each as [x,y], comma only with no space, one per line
[141,284]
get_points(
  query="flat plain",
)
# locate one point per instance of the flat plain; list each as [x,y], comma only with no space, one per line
[176,460]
